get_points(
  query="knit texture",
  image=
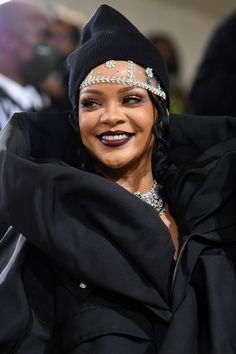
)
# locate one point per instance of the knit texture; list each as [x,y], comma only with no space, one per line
[109,35]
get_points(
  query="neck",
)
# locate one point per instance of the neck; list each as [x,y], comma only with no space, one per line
[141,184]
[134,181]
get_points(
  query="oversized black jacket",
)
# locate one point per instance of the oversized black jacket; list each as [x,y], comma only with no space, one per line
[213,88]
[86,267]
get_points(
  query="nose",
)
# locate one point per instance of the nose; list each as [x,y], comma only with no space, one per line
[112,115]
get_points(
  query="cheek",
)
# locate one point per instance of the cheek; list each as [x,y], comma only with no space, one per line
[87,128]
[146,120]
[148,113]
[83,121]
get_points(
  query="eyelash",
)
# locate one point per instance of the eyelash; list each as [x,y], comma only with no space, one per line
[89,102]
[134,98]
[129,100]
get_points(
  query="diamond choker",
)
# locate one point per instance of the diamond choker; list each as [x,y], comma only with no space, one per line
[153,198]
[151,83]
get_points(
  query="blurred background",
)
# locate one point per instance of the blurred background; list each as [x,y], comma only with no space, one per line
[181,29]
[188,22]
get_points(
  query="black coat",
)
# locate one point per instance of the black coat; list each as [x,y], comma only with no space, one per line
[213,88]
[93,271]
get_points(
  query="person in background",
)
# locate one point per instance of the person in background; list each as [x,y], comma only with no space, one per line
[25,58]
[168,49]
[213,88]
[65,26]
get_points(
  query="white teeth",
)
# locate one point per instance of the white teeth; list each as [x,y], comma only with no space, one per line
[115,137]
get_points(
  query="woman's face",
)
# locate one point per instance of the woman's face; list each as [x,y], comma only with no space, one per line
[116,123]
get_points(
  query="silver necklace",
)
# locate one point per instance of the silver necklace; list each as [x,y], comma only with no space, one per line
[153,198]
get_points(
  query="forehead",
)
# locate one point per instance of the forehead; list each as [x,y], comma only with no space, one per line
[118,68]
[125,73]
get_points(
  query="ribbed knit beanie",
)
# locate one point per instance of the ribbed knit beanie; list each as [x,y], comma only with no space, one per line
[109,35]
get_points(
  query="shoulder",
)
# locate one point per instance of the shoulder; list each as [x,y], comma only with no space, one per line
[191,135]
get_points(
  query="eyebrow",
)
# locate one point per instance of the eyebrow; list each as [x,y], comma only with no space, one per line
[98,92]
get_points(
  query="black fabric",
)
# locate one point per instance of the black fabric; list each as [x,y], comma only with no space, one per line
[79,227]
[109,35]
[213,88]
[80,194]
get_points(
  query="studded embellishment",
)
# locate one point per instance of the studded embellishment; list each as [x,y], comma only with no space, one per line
[128,80]
[149,72]
[153,198]
[110,64]
[83,285]
[131,70]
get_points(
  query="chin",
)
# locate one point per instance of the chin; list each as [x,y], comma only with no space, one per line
[113,165]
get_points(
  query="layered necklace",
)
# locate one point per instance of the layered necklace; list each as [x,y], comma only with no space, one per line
[153,198]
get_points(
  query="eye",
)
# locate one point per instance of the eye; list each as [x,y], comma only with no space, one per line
[132,99]
[89,103]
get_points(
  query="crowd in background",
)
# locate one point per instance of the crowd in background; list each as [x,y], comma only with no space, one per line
[36,40]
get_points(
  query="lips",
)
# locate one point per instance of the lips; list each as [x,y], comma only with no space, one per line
[115,139]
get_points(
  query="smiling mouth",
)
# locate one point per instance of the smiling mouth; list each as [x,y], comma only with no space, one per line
[115,139]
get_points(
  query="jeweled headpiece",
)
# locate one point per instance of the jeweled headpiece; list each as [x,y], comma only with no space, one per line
[147,81]
[108,37]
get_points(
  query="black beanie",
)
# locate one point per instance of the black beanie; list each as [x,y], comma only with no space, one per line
[109,35]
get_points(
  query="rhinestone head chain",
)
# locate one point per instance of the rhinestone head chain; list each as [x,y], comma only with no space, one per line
[146,81]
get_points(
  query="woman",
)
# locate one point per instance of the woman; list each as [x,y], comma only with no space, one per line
[116,127]
[118,243]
